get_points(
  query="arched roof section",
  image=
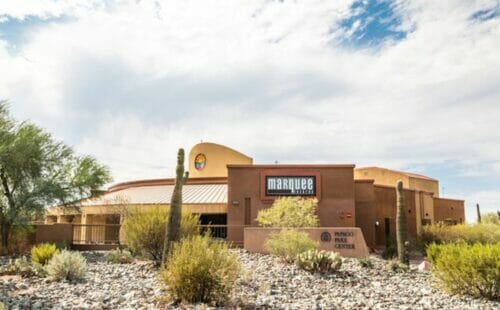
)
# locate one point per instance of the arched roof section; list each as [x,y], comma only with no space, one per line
[208,160]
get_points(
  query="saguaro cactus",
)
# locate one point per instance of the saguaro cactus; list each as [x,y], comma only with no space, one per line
[478,213]
[401,225]
[175,214]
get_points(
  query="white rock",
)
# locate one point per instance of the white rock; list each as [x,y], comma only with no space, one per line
[424,266]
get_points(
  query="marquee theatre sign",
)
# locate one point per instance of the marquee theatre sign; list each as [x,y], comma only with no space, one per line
[290,186]
[275,183]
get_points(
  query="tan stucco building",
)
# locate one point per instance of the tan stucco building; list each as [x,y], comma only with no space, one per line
[228,191]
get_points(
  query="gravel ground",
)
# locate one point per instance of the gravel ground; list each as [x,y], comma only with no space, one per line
[106,286]
[268,283]
[265,283]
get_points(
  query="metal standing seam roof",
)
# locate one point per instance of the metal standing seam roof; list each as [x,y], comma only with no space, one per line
[161,194]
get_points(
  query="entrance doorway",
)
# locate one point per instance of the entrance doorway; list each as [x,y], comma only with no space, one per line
[213,219]
[215,223]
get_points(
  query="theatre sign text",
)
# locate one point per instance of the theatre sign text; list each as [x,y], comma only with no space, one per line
[290,185]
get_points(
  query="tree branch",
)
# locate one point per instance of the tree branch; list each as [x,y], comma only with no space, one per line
[6,188]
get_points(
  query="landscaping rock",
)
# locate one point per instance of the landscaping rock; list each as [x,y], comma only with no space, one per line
[265,282]
[424,266]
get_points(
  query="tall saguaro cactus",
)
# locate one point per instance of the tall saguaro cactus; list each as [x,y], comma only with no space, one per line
[401,225]
[478,213]
[175,214]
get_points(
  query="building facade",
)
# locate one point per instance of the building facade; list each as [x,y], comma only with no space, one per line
[227,190]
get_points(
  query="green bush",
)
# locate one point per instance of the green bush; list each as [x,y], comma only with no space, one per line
[290,212]
[467,269]
[144,231]
[19,266]
[200,270]
[478,233]
[119,256]
[67,265]
[42,253]
[395,265]
[319,261]
[365,262]
[289,243]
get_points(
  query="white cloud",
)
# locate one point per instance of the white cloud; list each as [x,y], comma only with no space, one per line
[131,81]
[21,9]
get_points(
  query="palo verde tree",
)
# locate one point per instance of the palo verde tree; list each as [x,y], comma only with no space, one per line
[174,216]
[36,171]
[290,212]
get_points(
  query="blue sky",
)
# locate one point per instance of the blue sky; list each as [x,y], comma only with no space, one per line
[396,84]
[372,23]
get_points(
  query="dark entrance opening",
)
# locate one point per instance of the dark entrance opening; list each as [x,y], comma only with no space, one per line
[387,227]
[213,219]
[215,223]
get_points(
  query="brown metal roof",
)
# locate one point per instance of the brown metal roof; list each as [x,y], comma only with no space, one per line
[161,194]
[294,166]
[170,181]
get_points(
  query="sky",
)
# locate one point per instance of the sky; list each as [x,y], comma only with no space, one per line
[407,85]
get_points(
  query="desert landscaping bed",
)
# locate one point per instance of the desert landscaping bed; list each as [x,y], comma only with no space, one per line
[264,283]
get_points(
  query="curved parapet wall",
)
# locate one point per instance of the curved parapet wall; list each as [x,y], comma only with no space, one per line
[388,177]
[207,160]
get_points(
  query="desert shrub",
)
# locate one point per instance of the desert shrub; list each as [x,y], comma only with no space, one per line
[390,250]
[63,245]
[290,212]
[200,270]
[67,265]
[395,265]
[288,243]
[39,270]
[365,262]
[319,261]
[491,218]
[432,252]
[20,266]
[479,233]
[467,269]
[43,252]
[119,256]
[144,231]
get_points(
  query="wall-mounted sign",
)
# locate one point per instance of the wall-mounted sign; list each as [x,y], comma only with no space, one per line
[326,236]
[290,185]
[200,161]
[343,240]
